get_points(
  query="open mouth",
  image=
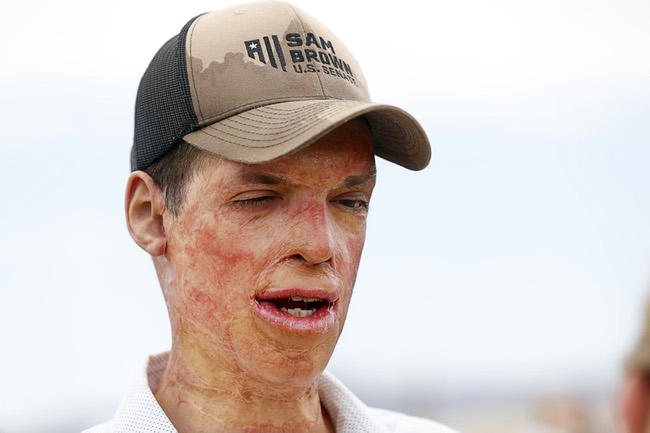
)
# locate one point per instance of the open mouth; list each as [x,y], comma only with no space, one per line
[290,310]
[298,306]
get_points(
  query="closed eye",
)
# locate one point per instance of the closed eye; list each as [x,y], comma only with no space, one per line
[255,201]
[259,198]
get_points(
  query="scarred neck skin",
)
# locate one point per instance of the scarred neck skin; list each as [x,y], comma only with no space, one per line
[223,403]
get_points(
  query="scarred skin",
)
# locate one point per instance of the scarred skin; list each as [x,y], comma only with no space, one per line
[246,233]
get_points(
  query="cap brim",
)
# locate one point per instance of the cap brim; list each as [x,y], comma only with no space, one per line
[270,132]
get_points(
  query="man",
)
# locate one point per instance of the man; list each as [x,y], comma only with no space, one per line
[253,167]
[635,396]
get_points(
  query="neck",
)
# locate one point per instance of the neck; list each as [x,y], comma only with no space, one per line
[216,399]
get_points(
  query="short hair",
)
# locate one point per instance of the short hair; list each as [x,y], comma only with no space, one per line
[172,172]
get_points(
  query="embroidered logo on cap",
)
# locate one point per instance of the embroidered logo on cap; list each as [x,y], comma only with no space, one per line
[306,54]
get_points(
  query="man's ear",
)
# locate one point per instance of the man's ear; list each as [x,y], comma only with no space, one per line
[144,204]
[635,402]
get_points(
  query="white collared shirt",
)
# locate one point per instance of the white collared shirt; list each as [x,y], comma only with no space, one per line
[140,412]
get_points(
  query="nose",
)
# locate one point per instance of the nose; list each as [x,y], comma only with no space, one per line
[312,235]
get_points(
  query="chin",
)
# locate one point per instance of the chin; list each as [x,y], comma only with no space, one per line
[291,368]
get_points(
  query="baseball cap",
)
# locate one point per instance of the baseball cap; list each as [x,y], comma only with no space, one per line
[255,82]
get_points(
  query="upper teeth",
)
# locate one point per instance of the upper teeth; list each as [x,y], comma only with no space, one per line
[300,298]
[298,312]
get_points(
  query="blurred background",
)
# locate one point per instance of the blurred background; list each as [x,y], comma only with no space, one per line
[499,290]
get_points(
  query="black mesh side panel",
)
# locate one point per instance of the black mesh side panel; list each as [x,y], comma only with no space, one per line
[164,113]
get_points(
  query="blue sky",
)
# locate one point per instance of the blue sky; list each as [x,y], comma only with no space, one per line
[518,259]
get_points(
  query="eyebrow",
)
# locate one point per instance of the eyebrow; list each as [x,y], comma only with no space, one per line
[252,176]
[355,181]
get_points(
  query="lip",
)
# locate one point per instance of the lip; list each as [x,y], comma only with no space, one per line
[321,321]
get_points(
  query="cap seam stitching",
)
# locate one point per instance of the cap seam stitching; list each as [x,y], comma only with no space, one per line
[271,125]
[288,136]
[259,104]
[286,132]
[293,113]
[203,131]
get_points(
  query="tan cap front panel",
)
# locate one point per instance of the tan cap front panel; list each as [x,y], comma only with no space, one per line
[253,55]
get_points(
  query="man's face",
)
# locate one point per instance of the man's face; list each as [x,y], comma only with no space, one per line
[262,259]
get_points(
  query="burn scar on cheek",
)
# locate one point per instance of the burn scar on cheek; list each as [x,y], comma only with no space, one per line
[213,298]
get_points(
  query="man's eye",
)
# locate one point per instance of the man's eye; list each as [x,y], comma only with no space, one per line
[354,204]
[256,201]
